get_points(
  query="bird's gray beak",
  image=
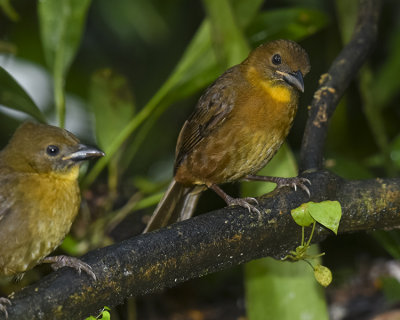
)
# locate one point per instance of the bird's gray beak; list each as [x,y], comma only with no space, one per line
[295,79]
[84,153]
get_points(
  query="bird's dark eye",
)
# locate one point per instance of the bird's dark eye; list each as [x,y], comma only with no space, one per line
[276,59]
[52,150]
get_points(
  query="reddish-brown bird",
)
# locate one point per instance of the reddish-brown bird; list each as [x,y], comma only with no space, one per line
[39,198]
[236,128]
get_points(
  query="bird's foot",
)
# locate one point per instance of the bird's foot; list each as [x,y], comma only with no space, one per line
[58,262]
[3,306]
[245,203]
[293,182]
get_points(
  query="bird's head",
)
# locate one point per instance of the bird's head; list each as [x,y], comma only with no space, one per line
[283,62]
[46,149]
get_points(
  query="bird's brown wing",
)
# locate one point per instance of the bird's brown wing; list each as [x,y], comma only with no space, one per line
[213,108]
[6,195]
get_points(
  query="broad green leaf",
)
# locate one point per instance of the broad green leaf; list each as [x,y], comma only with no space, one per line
[112,103]
[327,213]
[73,247]
[290,23]
[301,216]
[61,26]
[7,8]
[280,289]
[229,43]
[13,96]
[283,290]
[323,275]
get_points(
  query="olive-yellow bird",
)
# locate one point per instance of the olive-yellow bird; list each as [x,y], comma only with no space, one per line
[39,197]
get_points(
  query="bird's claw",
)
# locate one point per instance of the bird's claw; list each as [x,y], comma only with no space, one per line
[3,306]
[245,203]
[294,183]
[72,262]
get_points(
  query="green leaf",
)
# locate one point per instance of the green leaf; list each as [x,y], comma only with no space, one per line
[106,315]
[327,213]
[61,25]
[347,15]
[290,23]
[112,103]
[6,6]
[301,216]
[229,43]
[283,290]
[391,289]
[13,96]
[280,289]
[323,275]
[386,85]
[246,10]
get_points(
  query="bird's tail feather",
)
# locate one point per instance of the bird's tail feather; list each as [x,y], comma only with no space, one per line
[178,203]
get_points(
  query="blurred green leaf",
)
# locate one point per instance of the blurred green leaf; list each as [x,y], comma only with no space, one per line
[130,19]
[391,289]
[112,103]
[228,41]
[73,247]
[13,96]
[328,213]
[301,216]
[290,23]
[283,290]
[386,84]
[61,26]
[245,10]
[347,16]
[347,167]
[394,150]
[279,289]
[9,10]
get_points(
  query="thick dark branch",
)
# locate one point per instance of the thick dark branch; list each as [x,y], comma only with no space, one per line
[227,237]
[202,245]
[334,83]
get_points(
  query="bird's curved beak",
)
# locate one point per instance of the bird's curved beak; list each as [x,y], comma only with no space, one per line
[84,153]
[295,79]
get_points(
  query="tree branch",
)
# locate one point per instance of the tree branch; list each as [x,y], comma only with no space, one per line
[230,236]
[202,245]
[333,84]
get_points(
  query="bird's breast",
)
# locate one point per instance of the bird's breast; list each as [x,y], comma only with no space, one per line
[247,139]
[41,215]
